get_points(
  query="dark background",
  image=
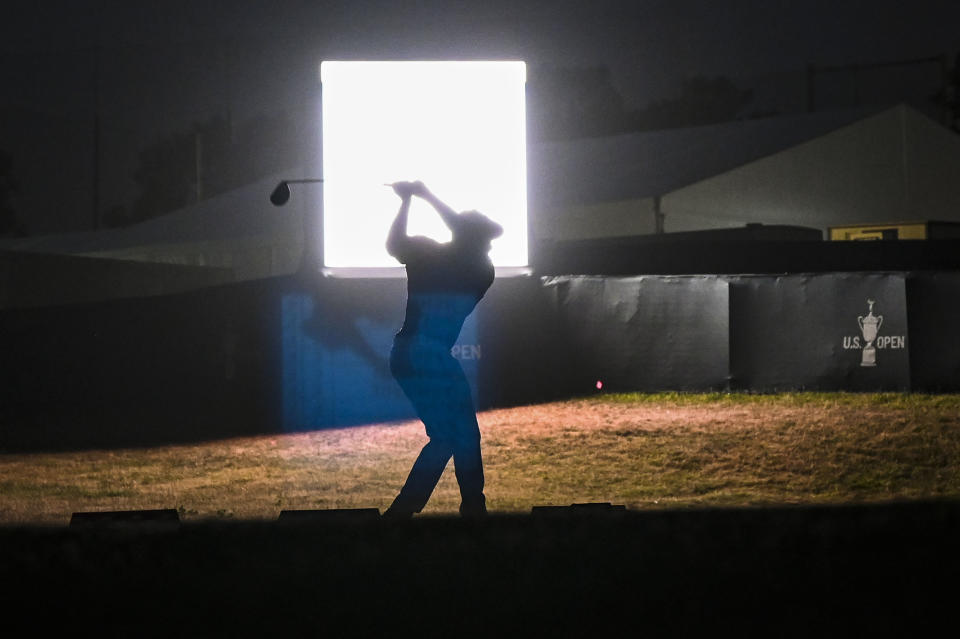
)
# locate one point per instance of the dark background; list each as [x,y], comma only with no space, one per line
[103,106]
[104,102]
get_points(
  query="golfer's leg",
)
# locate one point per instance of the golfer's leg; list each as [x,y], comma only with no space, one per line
[465,434]
[468,464]
[423,478]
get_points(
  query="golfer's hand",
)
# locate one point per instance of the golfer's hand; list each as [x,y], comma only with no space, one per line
[418,188]
[403,189]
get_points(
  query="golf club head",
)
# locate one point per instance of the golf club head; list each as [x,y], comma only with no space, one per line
[280,194]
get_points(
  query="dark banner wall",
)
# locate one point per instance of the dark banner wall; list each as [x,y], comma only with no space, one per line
[309,352]
[524,354]
[335,341]
[646,332]
[933,309]
[336,338]
[829,332]
[838,331]
[140,371]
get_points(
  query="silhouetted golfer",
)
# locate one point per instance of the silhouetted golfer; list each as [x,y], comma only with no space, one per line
[444,284]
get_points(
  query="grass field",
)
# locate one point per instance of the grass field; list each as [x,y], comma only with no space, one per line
[646,451]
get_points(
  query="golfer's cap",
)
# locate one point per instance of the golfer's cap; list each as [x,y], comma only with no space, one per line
[477,223]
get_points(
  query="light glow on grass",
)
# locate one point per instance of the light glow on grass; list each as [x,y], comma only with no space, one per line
[644,450]
[460,127]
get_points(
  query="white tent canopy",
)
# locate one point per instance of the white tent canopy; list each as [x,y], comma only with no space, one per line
[815,170]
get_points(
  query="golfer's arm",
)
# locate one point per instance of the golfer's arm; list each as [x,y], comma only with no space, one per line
[397,236]
[448,215]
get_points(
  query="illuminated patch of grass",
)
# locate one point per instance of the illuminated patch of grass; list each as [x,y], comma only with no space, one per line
[741,449]
[900,400]
[13,489]
[663,450]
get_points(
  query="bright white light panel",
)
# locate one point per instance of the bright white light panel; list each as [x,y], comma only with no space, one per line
[460,127]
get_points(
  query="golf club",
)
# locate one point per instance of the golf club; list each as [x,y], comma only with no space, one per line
[281,194]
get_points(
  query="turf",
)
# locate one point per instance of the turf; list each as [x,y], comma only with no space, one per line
[646,451]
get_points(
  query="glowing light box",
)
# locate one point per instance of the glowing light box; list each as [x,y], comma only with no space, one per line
[460,127]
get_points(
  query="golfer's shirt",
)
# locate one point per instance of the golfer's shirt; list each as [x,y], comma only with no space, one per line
[443,287]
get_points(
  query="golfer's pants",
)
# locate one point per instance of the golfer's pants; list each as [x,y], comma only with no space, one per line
[436,386]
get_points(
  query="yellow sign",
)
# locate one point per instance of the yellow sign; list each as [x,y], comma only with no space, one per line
[892,231]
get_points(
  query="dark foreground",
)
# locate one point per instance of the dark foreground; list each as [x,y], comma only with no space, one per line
[888,570]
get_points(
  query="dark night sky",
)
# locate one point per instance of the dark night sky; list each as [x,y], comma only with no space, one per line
[164,65]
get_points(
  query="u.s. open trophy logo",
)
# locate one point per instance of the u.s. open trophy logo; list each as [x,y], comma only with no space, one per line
[869,327]
[869,341]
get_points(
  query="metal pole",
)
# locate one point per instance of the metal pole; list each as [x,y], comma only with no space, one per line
[658,216]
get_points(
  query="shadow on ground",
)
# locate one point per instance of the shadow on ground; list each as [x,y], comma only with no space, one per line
[864,570]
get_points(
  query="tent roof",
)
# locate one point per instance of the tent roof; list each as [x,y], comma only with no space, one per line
[243,212]
[590,170]
[641,165]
